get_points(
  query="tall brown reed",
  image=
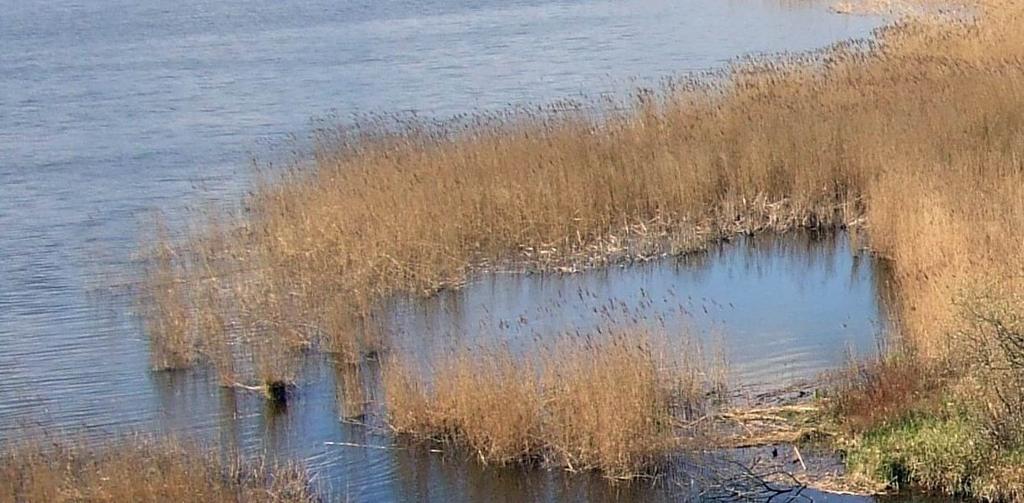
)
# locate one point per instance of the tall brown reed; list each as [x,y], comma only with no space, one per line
[610,405]
[207,299]
[166,309]
[350,391]
[609,402]
[485,400]
[141,470]
[917,132]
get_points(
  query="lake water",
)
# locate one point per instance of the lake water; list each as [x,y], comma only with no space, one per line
[112,109]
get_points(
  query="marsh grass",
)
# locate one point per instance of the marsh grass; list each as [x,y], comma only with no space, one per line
[916,135]
[140,469]
[939,454]
[611,402]
[165,307]
[947,453]
[245,324]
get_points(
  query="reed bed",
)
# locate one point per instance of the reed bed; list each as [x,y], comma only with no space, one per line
[615,401]
[142,470]
[916,131]
[916,135]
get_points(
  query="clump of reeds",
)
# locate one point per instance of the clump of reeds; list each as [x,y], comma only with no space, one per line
[210,300]
[610,405]
[486,401]
[610,402]
[166,307]
[491,402]
[216,297]
[142,470]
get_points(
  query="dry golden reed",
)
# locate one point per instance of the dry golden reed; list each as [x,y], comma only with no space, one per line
[166,309]
[918,130]
[141,470]
[916,136]
[610,401]
[243,322]
[610,405]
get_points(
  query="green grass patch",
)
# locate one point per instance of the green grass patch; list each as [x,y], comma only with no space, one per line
[947,455]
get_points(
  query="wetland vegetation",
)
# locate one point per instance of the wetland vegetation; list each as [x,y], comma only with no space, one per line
[615,401]
[141,469]
[914,136]
[913,140]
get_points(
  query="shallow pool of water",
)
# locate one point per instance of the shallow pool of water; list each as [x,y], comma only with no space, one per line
[780,310]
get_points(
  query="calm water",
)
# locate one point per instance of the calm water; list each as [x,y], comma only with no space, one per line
[110,109]
[780,309]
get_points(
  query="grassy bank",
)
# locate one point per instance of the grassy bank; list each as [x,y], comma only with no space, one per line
[917,135]
[952,425]
[141,470]
[946,450]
